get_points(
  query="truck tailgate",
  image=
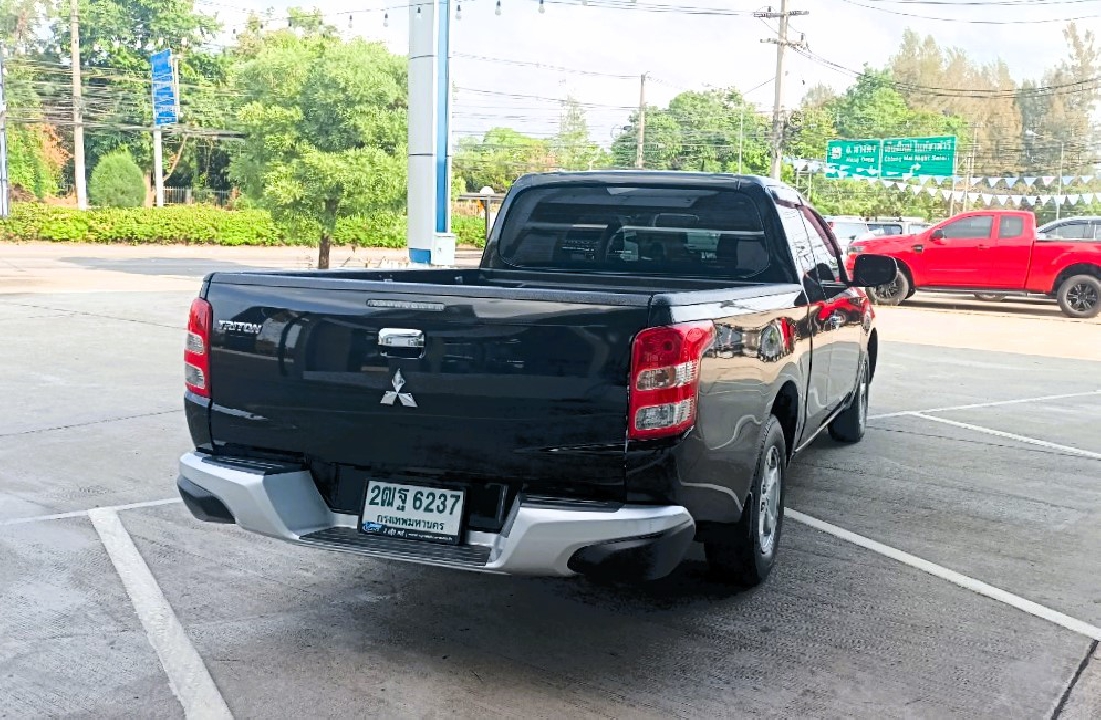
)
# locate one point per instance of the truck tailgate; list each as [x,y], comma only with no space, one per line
[527,391]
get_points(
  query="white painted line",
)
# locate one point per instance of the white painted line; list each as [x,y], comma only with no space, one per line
[1069,450]
[187,675]
[40,518]
[979,406]
[968,583]
[82,513]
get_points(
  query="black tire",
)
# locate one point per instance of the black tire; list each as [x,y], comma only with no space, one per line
[989,298]
[744,553]
[849,426]
[892,293]
[1080,296]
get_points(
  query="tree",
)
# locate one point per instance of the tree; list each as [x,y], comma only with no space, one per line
[710,130]
[571,145]
[499,157]
[325,130]
[117,181]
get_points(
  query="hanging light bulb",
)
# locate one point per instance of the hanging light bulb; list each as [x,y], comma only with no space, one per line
[349,21]
[418,12]
[497,10]
[458,12]
[542,7]
[290,22]
[386,20]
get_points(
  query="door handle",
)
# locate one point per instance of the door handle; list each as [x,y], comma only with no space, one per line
[983,247]
[917,248]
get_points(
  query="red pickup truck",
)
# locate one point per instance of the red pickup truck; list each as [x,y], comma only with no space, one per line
[990,252]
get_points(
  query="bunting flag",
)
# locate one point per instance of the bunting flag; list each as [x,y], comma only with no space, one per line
[946,194]
[1016,199]
[932,192]
[1011,181]
[1067,179]
[1087,178]
[923,180]
[973,196]
[986,199]
[1047,180]
[974,181]
[939,179]
[799,165]
[957,195]
[915,189]
[1044,199]
[992,182]
[1030,181]
[1087,198]
[1072,199]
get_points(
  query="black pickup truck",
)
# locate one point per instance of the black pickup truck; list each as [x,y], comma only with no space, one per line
[629,370]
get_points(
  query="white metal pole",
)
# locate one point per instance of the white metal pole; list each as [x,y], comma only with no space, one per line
[5,186]
[79,172]
[158,165]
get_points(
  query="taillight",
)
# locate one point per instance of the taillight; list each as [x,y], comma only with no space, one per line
[665,378]
[197,350]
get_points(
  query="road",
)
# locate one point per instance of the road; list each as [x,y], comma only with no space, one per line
[983,464]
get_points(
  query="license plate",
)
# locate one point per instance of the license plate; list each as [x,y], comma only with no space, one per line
[413,512]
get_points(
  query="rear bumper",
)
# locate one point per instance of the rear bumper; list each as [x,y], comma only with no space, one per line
[538,538]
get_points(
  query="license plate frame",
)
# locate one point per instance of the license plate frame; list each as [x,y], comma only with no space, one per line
[390,513]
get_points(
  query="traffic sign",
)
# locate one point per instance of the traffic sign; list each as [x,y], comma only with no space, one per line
[853,157]
[919,156]
[166,108]
[893,157]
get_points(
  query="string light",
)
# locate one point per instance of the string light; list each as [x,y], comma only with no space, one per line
[386,20]
[418,12]
[497,10]
[542,7]
[349,21]
[459,12]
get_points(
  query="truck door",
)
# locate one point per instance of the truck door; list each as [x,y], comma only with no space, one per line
[842,314]
[1008,258]
[955,254]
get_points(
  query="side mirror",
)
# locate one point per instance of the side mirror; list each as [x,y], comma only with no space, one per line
[874,270]
[938,234]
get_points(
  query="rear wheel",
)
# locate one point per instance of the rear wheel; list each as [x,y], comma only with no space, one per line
[849,426]
[894,292]
[1080,296]
[745,552]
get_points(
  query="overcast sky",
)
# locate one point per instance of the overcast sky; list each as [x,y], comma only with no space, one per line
[684,50]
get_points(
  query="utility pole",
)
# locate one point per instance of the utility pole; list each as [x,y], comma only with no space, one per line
[1062,156]
[5,186]
[741,135]
[781,42]
[640,161]
[79,175]
[970,169]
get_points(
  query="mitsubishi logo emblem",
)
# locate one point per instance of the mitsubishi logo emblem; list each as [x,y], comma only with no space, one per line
[390,396]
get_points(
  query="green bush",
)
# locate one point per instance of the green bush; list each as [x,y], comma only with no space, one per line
[117,182]
[207,224]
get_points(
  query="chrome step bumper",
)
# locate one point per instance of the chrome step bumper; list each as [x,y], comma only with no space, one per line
[537,539]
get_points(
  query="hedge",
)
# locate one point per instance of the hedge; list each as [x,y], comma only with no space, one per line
[205,225]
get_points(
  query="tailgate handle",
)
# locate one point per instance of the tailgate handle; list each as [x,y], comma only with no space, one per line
[401,339]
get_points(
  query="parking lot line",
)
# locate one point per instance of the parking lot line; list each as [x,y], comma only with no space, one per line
[939,571]
[979,406]
[82,513]
[1012,436]
[188,677]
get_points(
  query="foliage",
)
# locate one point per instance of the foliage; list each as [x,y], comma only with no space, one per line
[711,131]
[117,181]
[571,146]
[498,158]
[325,130]
[206,224]
[35,159]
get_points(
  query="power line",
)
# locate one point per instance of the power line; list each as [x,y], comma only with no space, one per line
[970,21]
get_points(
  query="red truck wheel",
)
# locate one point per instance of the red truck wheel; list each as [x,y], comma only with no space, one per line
[893,293]
[1080,296]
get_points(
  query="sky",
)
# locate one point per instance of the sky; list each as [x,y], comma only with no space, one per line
[595,50]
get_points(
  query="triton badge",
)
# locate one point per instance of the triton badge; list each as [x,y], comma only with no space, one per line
[390,396]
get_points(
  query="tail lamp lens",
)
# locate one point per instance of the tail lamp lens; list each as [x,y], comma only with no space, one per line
[197,348]
[665,374]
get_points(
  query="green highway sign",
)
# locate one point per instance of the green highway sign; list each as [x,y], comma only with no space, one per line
[919,156]
[893,157]
[853,157]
